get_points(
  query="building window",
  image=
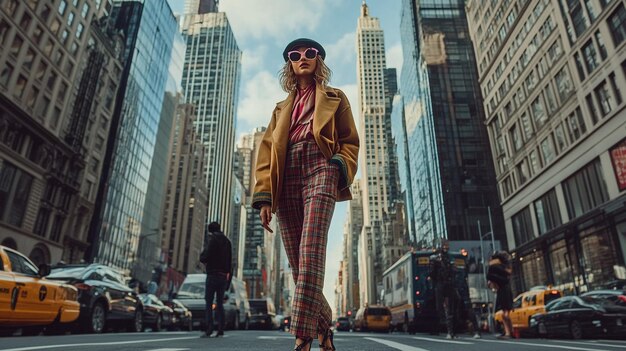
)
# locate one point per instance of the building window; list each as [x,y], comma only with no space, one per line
[604,98]
[522,172]
[5,74]
[539,113]
[16,46]
[527,126]
[20,86]
[617,25]
[564,84]
[515,138]
[585,190]
[62,7]
[591,58]
[547,149]
[601,46]
[4,31]
[14,193]
[522,227]
[579,67]
[547,212]
[559,135]
[535,162]
[591,105]
[616,91]
[9,6]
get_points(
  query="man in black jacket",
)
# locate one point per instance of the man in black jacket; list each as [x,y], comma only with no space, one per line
[442,275]
[216,257]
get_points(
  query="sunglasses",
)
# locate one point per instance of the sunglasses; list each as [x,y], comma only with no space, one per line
[309,54]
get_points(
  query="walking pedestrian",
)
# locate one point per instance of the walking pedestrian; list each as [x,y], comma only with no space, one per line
[499,276]
[442,274]
[216,257]
[306,162]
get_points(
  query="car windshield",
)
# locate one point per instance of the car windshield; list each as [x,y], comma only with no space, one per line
[258,307]
[193,290]
[67,272]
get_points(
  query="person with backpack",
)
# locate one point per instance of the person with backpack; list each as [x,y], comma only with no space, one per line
[217,258]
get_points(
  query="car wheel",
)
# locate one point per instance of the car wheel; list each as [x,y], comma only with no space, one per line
[136,325]
[158,325]
[575,331]
[31,331]
[97,322]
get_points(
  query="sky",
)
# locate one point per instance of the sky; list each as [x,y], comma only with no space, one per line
[262,29]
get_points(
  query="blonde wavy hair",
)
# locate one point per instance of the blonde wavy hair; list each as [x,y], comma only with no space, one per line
[289,82]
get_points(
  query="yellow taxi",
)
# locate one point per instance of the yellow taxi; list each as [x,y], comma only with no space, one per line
[374,318]
[29,299]
[528,303]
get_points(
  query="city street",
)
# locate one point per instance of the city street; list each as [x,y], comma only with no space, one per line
[274,340]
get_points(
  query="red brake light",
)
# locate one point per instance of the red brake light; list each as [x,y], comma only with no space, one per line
[337,324]
[286,321]
[417,292]
[82,286]
[622,298]
[555,292]
[213,306]
[417,277]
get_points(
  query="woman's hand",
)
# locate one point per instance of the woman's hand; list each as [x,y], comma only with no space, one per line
[266,217]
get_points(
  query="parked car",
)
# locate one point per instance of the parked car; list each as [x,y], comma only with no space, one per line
[28,299]
[155,313]
[373,318]
[182,318]
[262,314]
[616,296]
[527,304]
[342,324]
[286,323]
[236,308]
[579,317]
[104,298]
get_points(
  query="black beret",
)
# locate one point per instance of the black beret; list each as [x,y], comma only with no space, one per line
[304,42]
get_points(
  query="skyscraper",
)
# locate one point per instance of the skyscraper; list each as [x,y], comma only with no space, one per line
[376,89]
[211,82]
[185,213]
[149,28]
[553,81]
[450,172]
[60,68]
[352,231]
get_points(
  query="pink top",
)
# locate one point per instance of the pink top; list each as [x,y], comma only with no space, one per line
[302,115]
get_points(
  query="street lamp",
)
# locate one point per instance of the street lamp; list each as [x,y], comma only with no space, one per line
[482,257]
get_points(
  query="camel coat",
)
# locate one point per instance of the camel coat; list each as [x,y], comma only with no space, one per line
[334,132]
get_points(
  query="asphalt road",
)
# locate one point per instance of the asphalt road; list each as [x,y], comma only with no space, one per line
[276,340]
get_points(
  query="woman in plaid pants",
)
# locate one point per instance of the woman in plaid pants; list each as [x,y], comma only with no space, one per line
[306,162]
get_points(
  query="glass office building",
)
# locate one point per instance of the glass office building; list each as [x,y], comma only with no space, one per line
[150,28]
[449,161]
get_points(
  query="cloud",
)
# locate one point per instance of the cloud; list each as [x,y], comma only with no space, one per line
[394,57]
[259,97]
[273,18]
[343,50]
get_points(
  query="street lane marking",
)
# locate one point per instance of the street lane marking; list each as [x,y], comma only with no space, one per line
[444,341]
[169,350]
[265,337]
[540,345]
[590,343]
[396,345]
[44,347]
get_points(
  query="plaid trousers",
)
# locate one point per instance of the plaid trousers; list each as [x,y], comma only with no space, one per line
[304,212]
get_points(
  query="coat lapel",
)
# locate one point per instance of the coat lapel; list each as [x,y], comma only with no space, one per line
[326,103]
[283,122]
